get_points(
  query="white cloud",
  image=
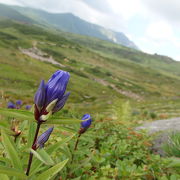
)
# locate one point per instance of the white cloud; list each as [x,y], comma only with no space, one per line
[100,5]
[160,31]
[127,8]
[167,9]
[160,38]
[11,2]
[155,26]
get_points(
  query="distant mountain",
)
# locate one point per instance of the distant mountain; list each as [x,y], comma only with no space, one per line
[70,23]
[8,12]
[66,22]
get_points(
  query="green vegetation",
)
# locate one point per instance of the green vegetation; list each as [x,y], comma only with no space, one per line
[110,149]
[118,91]
[120,53]
[172,147]
[94,77]
[8,12]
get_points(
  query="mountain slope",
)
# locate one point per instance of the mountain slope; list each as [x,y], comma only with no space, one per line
[8,12]
[70,23]
[96,82]
[125,76]
[120,53]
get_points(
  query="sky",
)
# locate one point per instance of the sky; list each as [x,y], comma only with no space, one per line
[153,25]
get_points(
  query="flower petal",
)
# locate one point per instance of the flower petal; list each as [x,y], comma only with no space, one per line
[60,104]
[56,86]
[39,98]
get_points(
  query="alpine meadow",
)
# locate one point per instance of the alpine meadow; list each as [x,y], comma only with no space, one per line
[74,100]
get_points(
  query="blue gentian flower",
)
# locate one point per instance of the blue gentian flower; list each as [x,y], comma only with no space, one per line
[56,86]
[28,107]
[51,97]
[10,105]
[18,104]
[43,138]
[87,120]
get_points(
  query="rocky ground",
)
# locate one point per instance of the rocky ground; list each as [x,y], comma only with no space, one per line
[163,128]
[172,124]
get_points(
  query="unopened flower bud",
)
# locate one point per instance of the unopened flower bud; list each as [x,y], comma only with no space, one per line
[43,138]
[87,120]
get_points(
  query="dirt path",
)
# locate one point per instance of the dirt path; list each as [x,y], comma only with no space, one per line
[35,53]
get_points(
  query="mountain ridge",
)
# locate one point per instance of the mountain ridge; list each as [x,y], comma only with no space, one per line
[69,22]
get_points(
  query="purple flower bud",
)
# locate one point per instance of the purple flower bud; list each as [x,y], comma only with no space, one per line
[87,120]
[19,102]
[10,105]
[28,107]
[43,138]
[54,89]
[56,86]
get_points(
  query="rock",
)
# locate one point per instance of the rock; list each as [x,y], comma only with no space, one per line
[162,125]
[164,128]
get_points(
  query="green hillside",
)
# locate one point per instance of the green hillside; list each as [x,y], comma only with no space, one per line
[121,53]
[8,12]
[70,23]
[106,82]
[97,80]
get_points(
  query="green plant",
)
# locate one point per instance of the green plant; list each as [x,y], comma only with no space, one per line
[172,146]
[122,111]
[152,115]
[49,99]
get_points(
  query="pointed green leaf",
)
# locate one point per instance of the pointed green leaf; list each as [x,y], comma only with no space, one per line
[22,126]
[57,145]
[62,150]
[6,129]
[31,133]
[5,161]
[4,177]
[52,171]
[43,156]
[175,162]
[83,163]
[17,113]
[67,152]
[36,164]
[63,121]
[46,156]
[11,151]
[68,129]
[12,172]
